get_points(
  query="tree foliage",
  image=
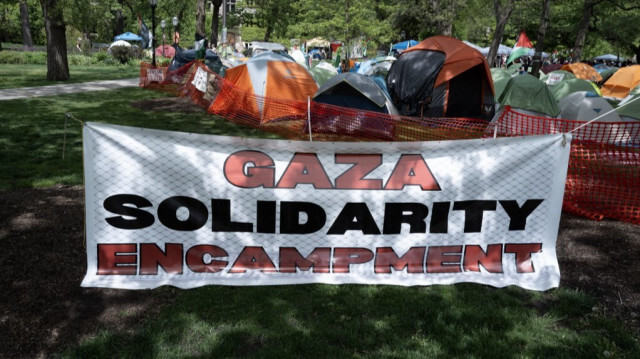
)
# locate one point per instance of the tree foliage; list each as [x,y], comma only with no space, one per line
[612,25]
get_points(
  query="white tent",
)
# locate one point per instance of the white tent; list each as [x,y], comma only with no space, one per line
[473,45]
[502,50]
[118,43]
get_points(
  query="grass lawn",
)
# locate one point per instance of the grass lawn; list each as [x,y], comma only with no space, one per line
[350,321]
[33,135]
[12,75]
[300,321]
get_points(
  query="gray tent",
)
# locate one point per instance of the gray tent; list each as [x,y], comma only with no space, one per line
[586,106]
[355,90]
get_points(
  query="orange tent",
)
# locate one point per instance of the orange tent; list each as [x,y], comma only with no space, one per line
[583,71]
[462,86]
[460,57]
[265,81]
[623,81]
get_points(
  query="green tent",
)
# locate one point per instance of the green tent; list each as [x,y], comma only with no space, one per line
[514,68]
[322,72]
[564,88]
[500,78]
[528,93]
[631,110]
[557,76]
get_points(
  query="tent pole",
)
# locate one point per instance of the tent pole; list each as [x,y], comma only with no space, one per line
[309,117]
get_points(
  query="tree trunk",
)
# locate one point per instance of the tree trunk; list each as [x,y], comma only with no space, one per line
[118,23]
[583,28]
[201,17]
[215,21]
[267,33]
[445,13]
[26,29]
[57,63]
[346,37]
[542,32]
[502,15]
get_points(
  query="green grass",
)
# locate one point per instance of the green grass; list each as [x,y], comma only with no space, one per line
[33,135]
[12,75]
[300,321]
[350,321]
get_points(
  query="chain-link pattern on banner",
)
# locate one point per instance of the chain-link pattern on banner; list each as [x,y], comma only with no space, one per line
[604,168]
[189,210]
[603,179]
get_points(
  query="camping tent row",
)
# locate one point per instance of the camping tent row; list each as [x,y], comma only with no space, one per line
[570,99]
[439,77]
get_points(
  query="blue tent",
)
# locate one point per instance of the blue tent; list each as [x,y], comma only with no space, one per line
[404,45]
[127,36]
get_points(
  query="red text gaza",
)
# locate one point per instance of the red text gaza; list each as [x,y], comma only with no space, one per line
[254,169]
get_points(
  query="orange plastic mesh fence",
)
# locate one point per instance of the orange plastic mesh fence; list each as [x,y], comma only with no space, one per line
[603,179]
[604,168]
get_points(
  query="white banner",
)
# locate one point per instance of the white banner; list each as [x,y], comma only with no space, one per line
[168,208]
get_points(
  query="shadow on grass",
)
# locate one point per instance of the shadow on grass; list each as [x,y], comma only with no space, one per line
[35,133]
[324,321]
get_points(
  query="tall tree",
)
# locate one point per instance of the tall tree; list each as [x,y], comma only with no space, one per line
[583,28]
[57,62]
[26,27]
[215,21]
[542,32]
[502,13]
[443,12]
[201,18]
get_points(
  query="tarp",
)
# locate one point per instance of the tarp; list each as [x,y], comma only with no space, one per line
[377,66]
[528,93]
[317,42]
[502,50]
[565,88]
[400,46]
[271,46]
[128,36]
[189,210]
[473,45]
[609,57]
[183,57]
[620,83]
[601,67]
